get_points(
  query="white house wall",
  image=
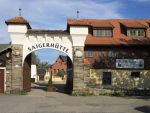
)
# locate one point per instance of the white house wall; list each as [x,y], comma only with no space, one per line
[34,72]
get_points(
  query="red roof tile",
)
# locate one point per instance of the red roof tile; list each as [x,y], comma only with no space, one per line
[90,40]
[87,22]
[118,38]
[133,24]
[18,20]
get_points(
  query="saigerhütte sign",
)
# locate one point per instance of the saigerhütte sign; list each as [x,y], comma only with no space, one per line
[130,63]
[48,45]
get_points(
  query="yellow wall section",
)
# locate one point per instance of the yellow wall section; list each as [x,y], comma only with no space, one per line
[120,79]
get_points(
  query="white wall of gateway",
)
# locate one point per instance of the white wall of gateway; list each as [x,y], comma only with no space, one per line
[18,34]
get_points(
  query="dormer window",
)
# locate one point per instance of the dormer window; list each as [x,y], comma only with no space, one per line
[102,32]
[136,33]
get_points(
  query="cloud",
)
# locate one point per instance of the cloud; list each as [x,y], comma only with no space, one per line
[53,14]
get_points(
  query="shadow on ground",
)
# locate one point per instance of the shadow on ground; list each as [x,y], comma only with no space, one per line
[144,109]
[61,88]
[147,98]
[40,86]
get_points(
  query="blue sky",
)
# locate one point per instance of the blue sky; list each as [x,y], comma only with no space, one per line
[53,14]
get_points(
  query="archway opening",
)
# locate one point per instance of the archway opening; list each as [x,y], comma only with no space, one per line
[52,64]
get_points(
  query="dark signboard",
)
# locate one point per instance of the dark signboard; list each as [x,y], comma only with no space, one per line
[130,63]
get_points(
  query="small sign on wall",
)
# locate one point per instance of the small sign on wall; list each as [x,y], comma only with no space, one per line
[130,63]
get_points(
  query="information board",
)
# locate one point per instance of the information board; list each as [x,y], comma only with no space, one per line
[129,63]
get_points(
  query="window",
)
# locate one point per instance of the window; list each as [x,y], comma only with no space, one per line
[135,74]
[106,80]
[111,53]
[89,53]
[136,33]
[141,33]
[102,32]
[60,62]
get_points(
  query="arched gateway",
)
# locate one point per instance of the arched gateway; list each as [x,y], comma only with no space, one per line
[25,40]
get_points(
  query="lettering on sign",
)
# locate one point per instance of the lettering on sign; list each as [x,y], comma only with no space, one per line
[130,63]
[48,45]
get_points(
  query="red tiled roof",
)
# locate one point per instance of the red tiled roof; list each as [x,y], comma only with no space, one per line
[87,22]
[118,38]
[133,24]
[90,40]
[18,20]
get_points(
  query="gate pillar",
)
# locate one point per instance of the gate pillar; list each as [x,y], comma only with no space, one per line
[17,28]
[78,70]
[17,78]
[78,35]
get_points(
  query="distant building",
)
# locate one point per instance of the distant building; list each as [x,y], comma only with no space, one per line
[41,73]
[34,77]
[47,75]
[60,64]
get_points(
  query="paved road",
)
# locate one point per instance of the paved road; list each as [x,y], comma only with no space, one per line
[39,101]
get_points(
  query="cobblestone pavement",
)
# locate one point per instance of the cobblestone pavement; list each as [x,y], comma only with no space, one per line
[40,101]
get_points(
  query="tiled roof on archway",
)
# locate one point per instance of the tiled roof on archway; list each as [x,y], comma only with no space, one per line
[18,20]
[41,31]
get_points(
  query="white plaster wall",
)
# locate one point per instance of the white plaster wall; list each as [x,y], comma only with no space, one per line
[78,34]
[40,38]
[18,36]
[78,40]
[34,72]
[80,30]
[33,40]
[17,28]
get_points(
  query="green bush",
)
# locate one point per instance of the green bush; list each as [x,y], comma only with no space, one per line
[61,74]
[50,83]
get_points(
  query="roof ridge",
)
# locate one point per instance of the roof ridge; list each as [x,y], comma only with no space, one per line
[106,19]
[17,17]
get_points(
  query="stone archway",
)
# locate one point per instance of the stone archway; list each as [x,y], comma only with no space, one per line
[27,73]
[40,39]
[25,40]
